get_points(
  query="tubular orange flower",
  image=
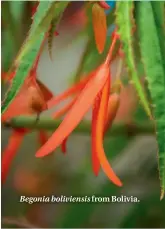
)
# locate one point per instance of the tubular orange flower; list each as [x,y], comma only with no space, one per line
[96,88]
[30,100]
[99,138]
[113,105]
[95,159]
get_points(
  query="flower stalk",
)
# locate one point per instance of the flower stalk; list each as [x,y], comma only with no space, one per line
[49,124]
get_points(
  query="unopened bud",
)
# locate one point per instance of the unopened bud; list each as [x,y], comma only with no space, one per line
[113,105]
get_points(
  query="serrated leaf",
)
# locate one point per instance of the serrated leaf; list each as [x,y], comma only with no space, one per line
[124,22]
[21,74]
[153,65]
[53,10]
[28,58]
[40,14]
[99,26]
[50,37]
[159,15]
[53,25]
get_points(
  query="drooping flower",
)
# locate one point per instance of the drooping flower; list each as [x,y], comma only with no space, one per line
[113,106]
[72,91]
[94,92]
[30,100]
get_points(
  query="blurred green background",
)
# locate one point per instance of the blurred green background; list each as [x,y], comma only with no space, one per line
[133,157]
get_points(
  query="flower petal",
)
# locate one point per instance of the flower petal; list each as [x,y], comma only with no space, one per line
[11,150]
[95,160]
[78,110]
[99,26]
[99,142]
[75,88]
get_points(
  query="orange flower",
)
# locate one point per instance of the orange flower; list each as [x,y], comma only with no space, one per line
[94,92]
[30,100]
[113,105]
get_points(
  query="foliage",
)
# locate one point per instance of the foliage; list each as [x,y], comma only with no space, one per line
[155,75]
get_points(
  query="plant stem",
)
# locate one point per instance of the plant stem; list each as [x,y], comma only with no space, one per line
[84,127]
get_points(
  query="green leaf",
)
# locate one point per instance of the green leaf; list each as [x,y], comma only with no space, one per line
[159,15]
[21,74]
[155,75]
[28,57]
[42,20]
[124,20]
[54,22]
